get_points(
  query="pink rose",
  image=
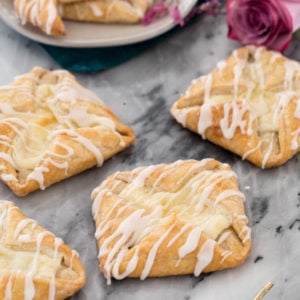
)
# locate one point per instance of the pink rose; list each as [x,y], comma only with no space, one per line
[270,23]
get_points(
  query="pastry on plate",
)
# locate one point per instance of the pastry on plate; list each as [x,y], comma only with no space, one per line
[48,14]
[52,128]
[185,217]
[41,13]
[249,104]
[105,11]
[34,263]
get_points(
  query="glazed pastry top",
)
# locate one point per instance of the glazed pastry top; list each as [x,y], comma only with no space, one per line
[29,251]
[255,87]
[41,107]
[201,195]
[41,13]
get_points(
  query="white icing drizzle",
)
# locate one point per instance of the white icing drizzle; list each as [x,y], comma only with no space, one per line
[246,232]
[250,151]
[205,119]
[152,253]
[168,170]
[98,197]
[177,236]
[85,142]
[191,242]
[228,193]
[241,217]
[181,115]
[224,237]
[126,230]
[250,100]
[95,9]
[134,226]
[283,101]
[8,289]
[52,289]
[274,57]
[205,256]
[74,254]
[290,71]
[229,129]
[295,143]
[237,70]
[21,226]
[225,255]
[37,175]
[207,87]
[6,157]
[8,177]
[130,267]
[221,65]
[47,99]
[195,166]
[104,225]
[29,11]
[139,181]
[213,181]
[259,67]
[268,152]
[297,110]
[29,289]
[29,286]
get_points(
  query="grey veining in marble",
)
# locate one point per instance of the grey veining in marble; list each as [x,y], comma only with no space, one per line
[141,92]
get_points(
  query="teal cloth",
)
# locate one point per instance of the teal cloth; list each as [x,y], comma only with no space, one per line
[92,60]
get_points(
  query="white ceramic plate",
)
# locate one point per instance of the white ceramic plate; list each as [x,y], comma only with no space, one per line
[93,35]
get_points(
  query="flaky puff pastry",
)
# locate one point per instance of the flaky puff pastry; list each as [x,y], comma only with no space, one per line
[249,104]
[41,13]
[170,219]
[52,128]
[105,11]
[34,264]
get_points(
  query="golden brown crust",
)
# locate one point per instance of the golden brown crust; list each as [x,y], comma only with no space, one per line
[29,269]
[52,128]
[41,13]
[105,11]
[249,105]
[170,219]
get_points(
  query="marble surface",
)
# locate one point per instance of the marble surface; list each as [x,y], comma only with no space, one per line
[141,92]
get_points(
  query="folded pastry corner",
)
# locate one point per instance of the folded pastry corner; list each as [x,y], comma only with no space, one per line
[105,11]
[41,13]
[34,264]
[52,128]
[185,217]
[249,104]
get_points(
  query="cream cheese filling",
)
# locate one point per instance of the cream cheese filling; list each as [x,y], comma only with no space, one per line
[25,261]
[188,204]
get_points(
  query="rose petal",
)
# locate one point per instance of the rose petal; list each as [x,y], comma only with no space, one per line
[294,9]
[260,22]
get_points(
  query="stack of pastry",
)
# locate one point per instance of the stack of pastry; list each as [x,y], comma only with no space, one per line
[48,14]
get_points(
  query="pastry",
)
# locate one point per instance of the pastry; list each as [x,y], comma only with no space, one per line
[41,13]
[34,263]
[170,219]
[105,11]
[52,128]
[249,104]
